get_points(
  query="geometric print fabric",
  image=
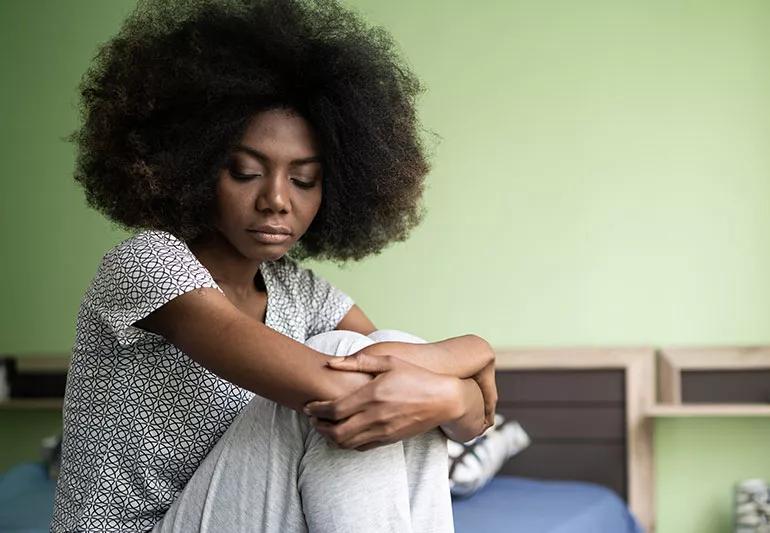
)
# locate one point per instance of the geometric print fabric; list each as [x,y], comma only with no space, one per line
[139,414]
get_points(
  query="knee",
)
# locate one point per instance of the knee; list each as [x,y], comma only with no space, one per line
[320,448]
[342,342]
[339,342]
[394,335]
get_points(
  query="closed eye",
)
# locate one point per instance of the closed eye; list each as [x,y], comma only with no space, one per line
[304,184]
[239,176]
[299,183]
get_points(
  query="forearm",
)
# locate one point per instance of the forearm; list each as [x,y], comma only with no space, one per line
[267,362]
[462,356]
[470,422]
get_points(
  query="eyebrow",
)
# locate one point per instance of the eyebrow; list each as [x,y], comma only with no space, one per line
[259,155]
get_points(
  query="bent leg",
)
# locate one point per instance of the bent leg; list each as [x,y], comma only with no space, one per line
[427,465]
[272,471]
[247,482]
[374,495]
[425,456]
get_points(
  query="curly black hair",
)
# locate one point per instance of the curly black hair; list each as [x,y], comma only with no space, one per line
[166,99]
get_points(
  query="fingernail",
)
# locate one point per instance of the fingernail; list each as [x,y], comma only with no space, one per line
[306,410]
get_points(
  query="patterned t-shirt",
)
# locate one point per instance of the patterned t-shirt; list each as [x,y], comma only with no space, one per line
[139,414]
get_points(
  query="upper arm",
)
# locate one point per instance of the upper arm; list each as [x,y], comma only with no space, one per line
[326,306]
[154,282]
[356,320]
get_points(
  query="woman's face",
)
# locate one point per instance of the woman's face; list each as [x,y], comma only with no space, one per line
[270,190]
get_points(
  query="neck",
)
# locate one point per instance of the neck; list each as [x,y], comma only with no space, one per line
[229,268]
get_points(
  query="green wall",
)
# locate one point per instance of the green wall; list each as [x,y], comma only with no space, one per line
[600,177]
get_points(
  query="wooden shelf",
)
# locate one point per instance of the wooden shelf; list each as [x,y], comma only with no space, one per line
[676,363]
[54,404]
[704,409]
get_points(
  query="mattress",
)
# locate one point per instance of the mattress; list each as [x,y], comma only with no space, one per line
[506,504]
[519,505]
[26,499]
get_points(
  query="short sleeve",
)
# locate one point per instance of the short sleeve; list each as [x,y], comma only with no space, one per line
[327,304]
[140,275]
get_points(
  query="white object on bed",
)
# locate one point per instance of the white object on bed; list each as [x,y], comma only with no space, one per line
[472,464]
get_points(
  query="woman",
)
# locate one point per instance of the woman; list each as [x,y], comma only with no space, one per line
[240,137]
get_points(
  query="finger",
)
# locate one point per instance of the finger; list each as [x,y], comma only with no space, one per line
[317,408]
[370,446]
[346,430]
[362,362]
[345,407]
[370,436]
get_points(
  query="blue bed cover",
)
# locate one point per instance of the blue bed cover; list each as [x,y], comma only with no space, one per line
[518,505]
[507,504]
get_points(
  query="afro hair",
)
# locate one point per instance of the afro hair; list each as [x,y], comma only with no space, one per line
[166,99]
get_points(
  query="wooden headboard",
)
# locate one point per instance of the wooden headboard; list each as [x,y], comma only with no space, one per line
[584,409]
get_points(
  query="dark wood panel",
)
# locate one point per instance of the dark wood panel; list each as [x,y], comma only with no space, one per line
[27,381]
[726,386]
[601,463]
[582,422]
[561,386]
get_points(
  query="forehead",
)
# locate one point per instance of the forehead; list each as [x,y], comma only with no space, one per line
[281,133]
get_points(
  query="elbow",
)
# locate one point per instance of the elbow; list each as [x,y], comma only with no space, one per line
[485,348]
[491,352]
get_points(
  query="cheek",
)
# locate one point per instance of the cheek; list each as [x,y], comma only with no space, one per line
[230,201]
[313,206]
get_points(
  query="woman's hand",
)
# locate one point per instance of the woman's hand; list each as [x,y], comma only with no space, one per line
[402,401]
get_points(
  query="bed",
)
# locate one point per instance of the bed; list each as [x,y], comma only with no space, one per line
[507,504]
[587,470]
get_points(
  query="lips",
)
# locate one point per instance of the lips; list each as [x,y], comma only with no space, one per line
[276,230]
[271,234]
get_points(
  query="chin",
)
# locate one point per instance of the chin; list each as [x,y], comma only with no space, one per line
[275,256]
[267,252]
[262,252]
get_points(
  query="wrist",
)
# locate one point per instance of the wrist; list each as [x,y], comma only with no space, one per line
[341,383]
[466,355]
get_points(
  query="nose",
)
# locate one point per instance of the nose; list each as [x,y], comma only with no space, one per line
[273,195]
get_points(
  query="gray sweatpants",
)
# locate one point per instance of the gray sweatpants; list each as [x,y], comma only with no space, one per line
[273,472]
